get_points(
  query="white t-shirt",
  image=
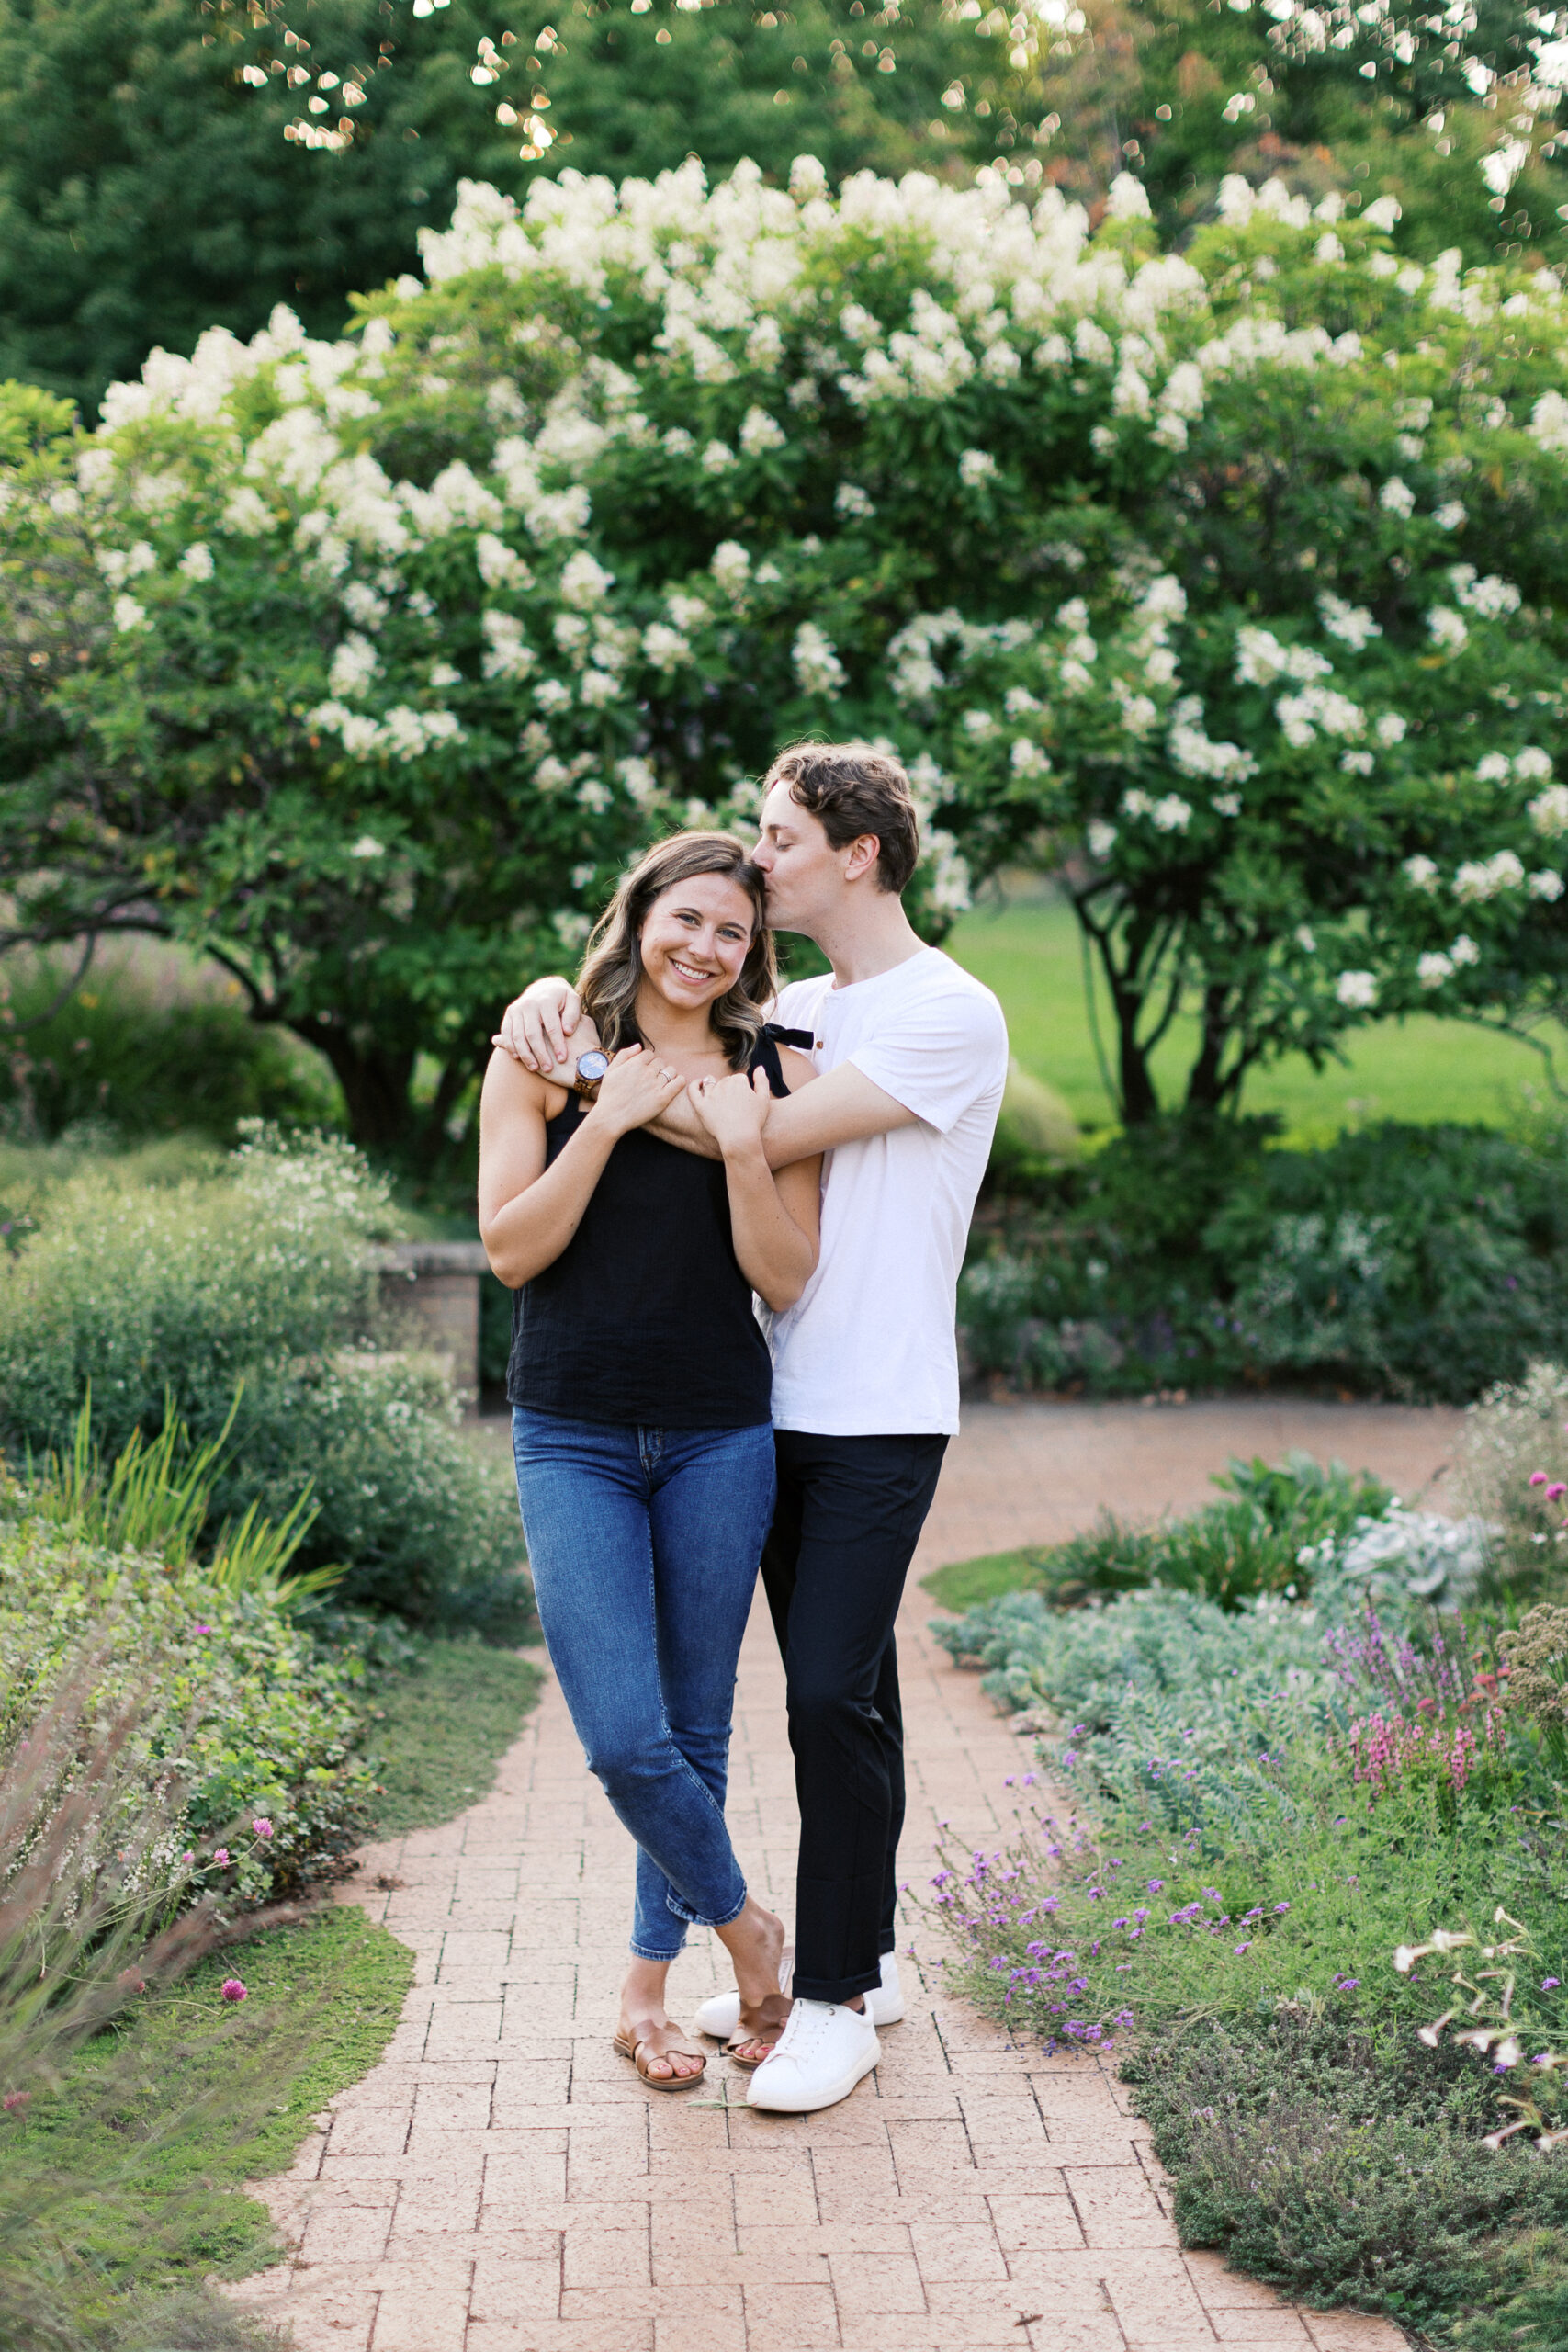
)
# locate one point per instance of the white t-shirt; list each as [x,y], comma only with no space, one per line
[869,1348]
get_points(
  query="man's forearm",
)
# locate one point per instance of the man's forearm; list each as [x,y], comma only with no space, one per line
[680,1126]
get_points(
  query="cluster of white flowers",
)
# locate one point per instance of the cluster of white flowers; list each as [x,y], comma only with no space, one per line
[1351,624]
[1169,814]
[1301,716]
[1260,658]
[1548,812]
[403,734]
[1490,597]
[817,665]
[1192,751]
[1438,965]
[1482,878]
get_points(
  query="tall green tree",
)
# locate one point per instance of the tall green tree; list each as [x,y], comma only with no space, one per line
[1228,587]
[166,165]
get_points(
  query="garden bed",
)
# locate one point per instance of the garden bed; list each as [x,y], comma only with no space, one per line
[1303,1837]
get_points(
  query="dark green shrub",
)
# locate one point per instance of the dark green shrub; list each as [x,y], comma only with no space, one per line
[138,1054]
[1413,1261]
[1346,2164]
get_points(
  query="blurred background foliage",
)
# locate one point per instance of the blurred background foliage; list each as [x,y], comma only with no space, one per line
[167,165]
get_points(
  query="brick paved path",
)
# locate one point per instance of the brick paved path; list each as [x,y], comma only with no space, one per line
[502,2183]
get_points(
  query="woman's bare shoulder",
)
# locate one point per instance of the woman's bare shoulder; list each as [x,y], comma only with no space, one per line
[508,1088]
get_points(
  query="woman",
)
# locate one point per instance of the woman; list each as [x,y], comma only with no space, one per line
[640,1384]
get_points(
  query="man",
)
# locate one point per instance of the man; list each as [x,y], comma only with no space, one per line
[912,1053]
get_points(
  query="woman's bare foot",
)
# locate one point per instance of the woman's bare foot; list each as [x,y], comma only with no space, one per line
[643,2012]
[755,1940]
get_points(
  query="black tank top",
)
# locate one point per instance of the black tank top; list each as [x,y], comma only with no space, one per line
[645,1319]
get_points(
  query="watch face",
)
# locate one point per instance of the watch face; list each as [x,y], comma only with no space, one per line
[591,1066]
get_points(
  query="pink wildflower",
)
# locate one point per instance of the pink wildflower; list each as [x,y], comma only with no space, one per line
[262,1826]
[221,1857]
[14,2100]
[232,1989]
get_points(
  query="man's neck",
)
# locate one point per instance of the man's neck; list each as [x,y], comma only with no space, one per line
[872,935]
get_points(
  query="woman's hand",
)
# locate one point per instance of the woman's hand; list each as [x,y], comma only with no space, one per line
[734,1110]
[633,1091]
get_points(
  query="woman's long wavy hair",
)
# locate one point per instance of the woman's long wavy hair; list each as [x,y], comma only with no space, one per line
[613,969]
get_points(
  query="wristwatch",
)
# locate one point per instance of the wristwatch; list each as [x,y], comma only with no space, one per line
[590,1069]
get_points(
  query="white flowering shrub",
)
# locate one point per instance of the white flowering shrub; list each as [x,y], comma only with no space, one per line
[367,663]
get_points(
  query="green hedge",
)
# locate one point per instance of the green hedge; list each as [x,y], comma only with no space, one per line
[1422,1262]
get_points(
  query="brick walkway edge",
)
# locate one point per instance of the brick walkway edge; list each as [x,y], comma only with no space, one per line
[501,2182]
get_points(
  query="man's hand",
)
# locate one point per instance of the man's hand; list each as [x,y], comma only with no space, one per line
[734,1110]
[536,1026]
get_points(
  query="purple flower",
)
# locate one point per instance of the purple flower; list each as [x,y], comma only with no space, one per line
[232,1989]
[262,1826]
[221,1857]
[204,1629]
[1156,1886]
[1241,1948]
[1280,1907]
[1550,1983]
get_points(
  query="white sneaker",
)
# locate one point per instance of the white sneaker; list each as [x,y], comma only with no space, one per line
[719,2016]
[822,2053]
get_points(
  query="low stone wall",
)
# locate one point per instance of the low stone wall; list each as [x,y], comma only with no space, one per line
[438,1284]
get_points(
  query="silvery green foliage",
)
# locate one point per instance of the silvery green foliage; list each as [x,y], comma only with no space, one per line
[1182,1713]
[1405,1556]
[1165,1702]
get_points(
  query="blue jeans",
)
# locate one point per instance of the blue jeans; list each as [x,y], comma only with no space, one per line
[644,1545]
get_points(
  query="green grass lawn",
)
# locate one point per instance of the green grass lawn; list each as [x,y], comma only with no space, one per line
[963,1585]
[439,1732]
[1418,1069]
[122,2183]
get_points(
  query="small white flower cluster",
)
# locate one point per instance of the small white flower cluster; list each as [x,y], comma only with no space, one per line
[1169,814]
[1437,964]
[817,665]
[1483,878]
[1491,597]
[403,734]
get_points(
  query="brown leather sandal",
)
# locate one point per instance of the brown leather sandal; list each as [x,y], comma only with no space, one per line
[661,2042]
[755,2027]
